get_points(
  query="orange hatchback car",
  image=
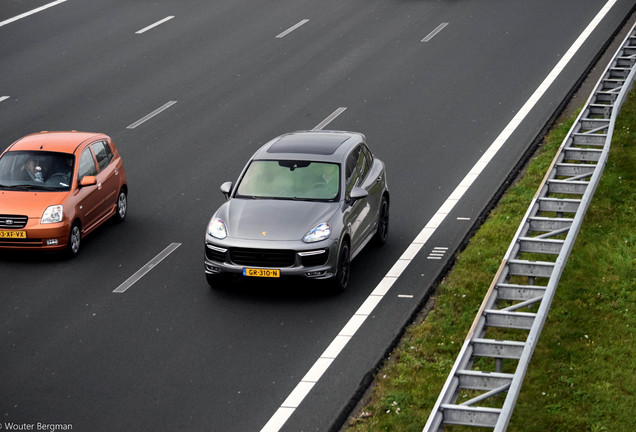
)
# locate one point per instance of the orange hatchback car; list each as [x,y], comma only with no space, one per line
[56,187]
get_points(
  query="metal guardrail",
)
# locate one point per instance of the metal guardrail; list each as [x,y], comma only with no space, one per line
[486,379]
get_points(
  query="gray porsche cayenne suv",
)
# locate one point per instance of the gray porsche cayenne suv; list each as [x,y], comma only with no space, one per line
[305,205]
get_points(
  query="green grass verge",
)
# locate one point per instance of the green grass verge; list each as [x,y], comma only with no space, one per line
[582,376]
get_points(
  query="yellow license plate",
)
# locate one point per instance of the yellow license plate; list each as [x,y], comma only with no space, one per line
[13,234]
[261,272]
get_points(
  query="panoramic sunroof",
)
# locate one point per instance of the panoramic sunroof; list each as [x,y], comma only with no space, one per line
[312,143]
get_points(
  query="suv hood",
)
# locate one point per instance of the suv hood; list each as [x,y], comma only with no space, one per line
[263,219]
[29,203]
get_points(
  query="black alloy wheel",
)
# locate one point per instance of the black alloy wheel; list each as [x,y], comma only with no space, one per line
[341,279]
[382,232]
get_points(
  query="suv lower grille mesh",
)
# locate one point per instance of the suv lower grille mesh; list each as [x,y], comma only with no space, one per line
[215,254]
[313,260]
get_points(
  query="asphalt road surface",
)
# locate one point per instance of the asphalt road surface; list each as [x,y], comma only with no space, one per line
[432,84]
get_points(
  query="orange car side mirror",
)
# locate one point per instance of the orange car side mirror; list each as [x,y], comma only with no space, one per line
[88,181]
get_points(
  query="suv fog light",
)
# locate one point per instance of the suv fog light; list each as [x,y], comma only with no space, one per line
[212,268]
[51,242]
[315,273]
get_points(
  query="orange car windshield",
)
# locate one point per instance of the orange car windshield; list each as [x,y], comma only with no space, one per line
[36,170]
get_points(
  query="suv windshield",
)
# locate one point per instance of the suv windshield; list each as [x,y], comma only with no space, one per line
[28,170]
[290,179]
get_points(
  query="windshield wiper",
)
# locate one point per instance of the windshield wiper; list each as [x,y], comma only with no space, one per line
[24,187]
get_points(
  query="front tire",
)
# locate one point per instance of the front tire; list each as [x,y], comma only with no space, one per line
[340,282]
[74,240]
[122,206]
[382,232]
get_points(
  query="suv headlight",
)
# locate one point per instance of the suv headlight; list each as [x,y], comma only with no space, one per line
[216,228]
[318,233]
[52,214]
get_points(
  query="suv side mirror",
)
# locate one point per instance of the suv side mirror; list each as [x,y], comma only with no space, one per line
[226,188]
[357,193]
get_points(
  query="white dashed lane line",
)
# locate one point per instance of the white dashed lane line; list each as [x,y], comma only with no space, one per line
[292,28]
[145,269]
[31,12]
[432,34]
[151,26]
[330,118]
[152,114]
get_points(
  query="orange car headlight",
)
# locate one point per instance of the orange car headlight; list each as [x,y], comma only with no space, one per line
[52,214]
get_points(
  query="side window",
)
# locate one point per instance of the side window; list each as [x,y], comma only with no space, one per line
[351,169]
[103,154]
[363,164]
[368,156]
[86,164]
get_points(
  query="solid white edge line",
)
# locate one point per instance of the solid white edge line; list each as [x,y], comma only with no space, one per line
[329,119]
[292,28]
[281,416]
[152,114]
[151,26]
[4,98]
[31,12]
[146,268]
[432,34]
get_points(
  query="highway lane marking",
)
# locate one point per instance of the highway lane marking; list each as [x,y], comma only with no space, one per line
[297,395]
[292,28]
[330,118]
[437,253]
[463,218]
[145,269]
[432,34]
[152,114]
[151,26]
[31,12]
[4,98]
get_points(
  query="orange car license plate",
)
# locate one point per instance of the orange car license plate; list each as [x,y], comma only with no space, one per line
[13,234]
[261,272]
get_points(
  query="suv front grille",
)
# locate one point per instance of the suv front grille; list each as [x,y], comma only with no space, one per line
[13,221]
[263,257]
